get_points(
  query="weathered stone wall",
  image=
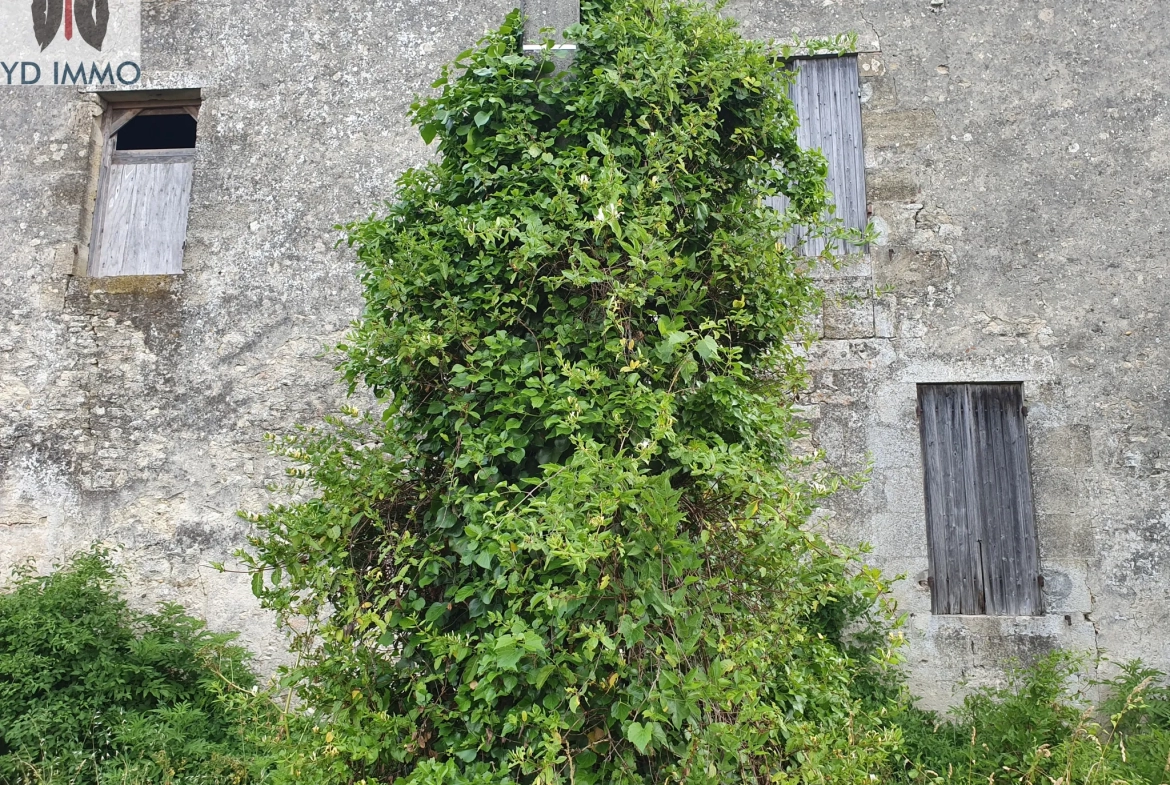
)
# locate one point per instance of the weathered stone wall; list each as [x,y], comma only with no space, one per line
[1014,151]
[133,411]
[1015,157]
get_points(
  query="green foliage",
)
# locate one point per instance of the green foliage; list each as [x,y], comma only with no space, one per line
[93,692]
[573,549]
[1037,730]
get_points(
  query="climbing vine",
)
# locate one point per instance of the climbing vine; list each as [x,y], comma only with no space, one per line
[572,547]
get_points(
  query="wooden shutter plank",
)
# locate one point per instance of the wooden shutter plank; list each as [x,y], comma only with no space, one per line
[983,550]
[117,220]
[809,133]
[974,570]
[939,461]
[144,219]
[951,500]
[851,163]
[988,467]
[1007,518]
[946,513]
[826,92]
[941,569]
[140,157]
[166,225]
[1001,520]
[1016,522]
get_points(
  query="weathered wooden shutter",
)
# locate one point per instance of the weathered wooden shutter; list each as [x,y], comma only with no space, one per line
[140,220]
[984,557]
[827,97]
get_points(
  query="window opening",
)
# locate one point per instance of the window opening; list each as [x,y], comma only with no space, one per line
[826,93]
[984,556]
[144,188]
[158,132]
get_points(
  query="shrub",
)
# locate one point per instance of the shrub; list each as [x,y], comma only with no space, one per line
[1037,730]
[93,692]
[573,547]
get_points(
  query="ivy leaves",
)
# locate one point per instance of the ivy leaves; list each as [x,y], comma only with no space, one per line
[641,735]
[571,549]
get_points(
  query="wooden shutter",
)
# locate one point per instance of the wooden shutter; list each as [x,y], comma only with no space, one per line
[984,557]
[140,219]
[827,96]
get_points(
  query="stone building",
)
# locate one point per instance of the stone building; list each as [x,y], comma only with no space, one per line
[1014,156]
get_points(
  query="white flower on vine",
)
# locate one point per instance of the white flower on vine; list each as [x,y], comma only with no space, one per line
[608,212]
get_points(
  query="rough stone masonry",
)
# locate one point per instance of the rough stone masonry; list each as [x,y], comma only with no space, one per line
[1015,155]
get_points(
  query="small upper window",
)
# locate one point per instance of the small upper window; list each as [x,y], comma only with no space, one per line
[158,132]
[144,189]
[984,557]
[827,97]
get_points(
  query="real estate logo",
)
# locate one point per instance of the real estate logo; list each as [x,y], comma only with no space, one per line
[93,18]
[83,43]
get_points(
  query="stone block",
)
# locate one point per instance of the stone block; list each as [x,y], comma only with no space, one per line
[1066,446]
[911,127]
[891,185]
[839,355]
[1066,588]
[894,535]
[848,319]
[897,448]
[848,308]
[870,64]
[1055,490]
[885,316]
[955,654]
[902,268]
[1064,535]
[878,93]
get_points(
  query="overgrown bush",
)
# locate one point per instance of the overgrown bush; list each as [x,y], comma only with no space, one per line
[94,692]
[573,547]
[1040,730]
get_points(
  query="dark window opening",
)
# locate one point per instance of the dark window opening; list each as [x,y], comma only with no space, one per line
[158,132]
[984,557]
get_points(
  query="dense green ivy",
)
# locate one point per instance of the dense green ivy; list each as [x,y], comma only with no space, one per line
[573,548]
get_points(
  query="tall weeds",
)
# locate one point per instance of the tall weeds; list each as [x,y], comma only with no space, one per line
[1042,729]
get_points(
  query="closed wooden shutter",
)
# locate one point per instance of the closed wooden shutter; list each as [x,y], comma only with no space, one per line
[827,96]
[140,219]
[984,557]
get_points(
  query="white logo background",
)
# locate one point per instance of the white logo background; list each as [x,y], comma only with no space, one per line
[18,42]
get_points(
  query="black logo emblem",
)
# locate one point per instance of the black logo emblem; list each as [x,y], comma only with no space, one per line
[92,16]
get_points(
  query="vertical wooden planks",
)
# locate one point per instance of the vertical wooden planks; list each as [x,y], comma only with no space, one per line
[1009,527]
[984,555]
[827,95]
[139,224]
[143,222]
[951,500]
